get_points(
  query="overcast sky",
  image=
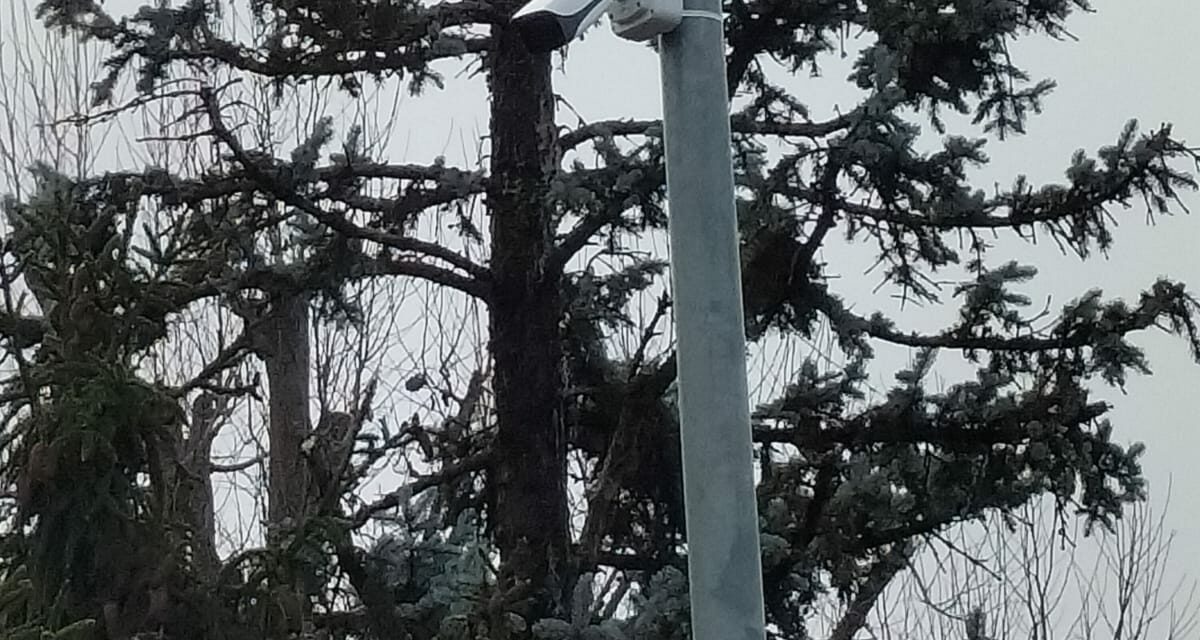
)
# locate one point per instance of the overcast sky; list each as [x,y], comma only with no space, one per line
[1133,58]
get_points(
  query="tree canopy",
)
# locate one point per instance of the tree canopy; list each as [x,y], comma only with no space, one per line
[546,499]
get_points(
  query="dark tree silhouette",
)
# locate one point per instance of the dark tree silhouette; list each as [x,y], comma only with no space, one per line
[848,489]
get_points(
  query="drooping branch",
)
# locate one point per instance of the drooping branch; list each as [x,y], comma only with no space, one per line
[880,426]
[1167,304]
[782,30]
[922,196]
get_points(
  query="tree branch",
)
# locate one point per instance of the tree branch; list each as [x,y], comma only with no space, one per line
[739,124]
[332,220]
[158,183]
[22,332]
[880,575]
[625,562]
[387,54]
[1149,313]
[235,466]
[1080,205]
[225,359]
[233,56]
[471,464]
[578,237]
[881,426]
[862,430]
[415,269]
[624,183]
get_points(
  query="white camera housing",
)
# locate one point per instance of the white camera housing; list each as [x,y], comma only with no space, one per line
[645,19]
[546,25]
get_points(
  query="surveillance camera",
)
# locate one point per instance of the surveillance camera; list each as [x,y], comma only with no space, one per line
[546,25]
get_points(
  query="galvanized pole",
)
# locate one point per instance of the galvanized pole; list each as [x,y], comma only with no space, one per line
[722,518]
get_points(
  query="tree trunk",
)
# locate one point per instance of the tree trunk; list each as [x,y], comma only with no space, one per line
[281,340]
[194,496]
[527,501]
[283,344]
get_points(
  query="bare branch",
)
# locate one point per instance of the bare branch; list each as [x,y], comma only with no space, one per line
[236,466]
[226,358]
[394,499]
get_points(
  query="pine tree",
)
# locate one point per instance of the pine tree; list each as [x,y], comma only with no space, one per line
[849,488]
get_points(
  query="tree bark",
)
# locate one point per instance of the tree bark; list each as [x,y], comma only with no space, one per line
[282,342]
[528,499]
[195,494]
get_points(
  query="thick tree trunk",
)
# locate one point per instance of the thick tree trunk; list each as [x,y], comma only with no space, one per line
[283,344]
[281,340]
[528,502]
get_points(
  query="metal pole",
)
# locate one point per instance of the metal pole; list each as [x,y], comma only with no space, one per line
[724,567]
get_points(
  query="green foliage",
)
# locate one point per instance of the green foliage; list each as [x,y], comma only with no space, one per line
[851,484]
[93,449]
[660,613]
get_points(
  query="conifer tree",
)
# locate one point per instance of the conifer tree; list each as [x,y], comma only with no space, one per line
[849,488]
